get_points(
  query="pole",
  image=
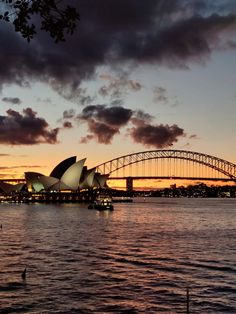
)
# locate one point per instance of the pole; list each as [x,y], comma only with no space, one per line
[187,300]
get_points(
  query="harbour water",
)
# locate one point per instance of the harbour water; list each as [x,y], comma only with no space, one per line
[137,259]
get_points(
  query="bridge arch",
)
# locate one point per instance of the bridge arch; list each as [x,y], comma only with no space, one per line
[222,166]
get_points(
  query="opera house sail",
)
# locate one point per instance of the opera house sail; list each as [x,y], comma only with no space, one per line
[69,176]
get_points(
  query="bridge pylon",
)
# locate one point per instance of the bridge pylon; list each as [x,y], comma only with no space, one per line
[129,184]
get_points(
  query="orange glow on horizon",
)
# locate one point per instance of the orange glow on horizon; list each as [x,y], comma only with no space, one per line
[13,167]
[160,184]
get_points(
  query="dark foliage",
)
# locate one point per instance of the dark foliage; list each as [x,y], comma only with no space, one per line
[55,17]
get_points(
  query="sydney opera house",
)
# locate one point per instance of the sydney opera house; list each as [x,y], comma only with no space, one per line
[68,176]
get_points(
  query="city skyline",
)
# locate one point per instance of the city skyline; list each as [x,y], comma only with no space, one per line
[133,77]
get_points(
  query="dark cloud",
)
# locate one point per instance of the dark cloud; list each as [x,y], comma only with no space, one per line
[25,129]
[174,33]
[67,125]
[140,116]
[5,155]
[191,39]
[75,93]
[113,116]
[12,100]
[232,44]
[69,114]
[82,97]
[85,100]
[101,132]
[104,122]
[158,136]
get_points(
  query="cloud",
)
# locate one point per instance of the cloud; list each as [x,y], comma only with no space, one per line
[128,33]
[160,95]
[69,114]
[140,117]
[101,132]
[25,129]
[113,116]
[158,136]
[76,94]
[21,166]
[118,87]
[86,139]
[187,145]
[82,97]
[117,102]
[105,122]
[193,136]
[12,100]
[46,100]
[67,125]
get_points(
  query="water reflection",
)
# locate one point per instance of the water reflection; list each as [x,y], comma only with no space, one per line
[138,259]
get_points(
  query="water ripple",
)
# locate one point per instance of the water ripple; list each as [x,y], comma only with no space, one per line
[138,259]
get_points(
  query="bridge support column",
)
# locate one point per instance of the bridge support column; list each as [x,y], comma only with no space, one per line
[129,184]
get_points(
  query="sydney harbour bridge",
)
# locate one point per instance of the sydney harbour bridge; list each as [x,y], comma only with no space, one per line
[168,164]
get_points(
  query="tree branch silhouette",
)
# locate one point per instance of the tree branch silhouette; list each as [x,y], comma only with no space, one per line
[53,17]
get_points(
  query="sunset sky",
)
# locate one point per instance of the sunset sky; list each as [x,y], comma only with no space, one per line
[136,75]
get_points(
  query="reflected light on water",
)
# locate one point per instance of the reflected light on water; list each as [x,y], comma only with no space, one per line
[137,259]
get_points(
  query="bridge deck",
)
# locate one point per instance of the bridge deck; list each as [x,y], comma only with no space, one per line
[171,177]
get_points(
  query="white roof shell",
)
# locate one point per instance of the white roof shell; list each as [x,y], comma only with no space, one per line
[88,179]
[71,176]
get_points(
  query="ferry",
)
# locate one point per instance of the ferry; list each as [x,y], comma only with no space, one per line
[102,203]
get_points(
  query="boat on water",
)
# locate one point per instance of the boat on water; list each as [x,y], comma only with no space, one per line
[122,199]
[102,203]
